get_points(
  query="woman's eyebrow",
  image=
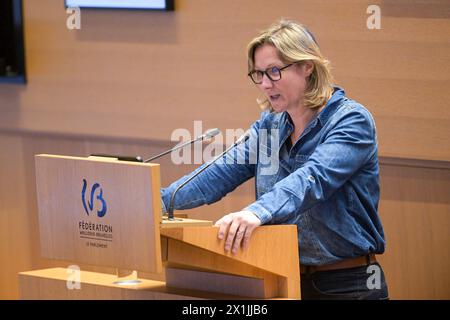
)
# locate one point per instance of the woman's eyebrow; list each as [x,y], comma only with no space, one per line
[270,65]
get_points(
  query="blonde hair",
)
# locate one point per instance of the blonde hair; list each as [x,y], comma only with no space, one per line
[295,43]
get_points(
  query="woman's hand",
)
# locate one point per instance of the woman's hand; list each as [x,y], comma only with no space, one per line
[241,225]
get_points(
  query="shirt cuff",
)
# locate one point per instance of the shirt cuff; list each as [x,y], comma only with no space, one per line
[163,206]
[262,213]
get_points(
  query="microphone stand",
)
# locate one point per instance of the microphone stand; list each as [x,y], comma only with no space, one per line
[172,198]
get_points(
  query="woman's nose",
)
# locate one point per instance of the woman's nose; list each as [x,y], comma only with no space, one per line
[266,82]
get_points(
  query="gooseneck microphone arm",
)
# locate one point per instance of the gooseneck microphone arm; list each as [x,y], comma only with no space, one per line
[242,139]
[208,135]
[173,149]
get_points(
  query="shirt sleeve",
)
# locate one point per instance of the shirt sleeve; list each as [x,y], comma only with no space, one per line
[222,177]
[346,148]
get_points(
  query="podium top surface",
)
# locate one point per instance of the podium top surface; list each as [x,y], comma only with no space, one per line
[96,158]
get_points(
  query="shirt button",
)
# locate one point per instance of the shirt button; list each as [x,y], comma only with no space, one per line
[311,178]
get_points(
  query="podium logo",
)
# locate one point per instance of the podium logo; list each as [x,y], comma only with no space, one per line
[89,207]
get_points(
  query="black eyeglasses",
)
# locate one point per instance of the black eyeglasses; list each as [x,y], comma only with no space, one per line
[273,73]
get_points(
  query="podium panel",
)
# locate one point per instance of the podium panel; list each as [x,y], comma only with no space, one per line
[99,212]
[269,266]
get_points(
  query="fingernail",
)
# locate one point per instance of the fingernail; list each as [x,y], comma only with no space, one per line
[227,248]
[220,236]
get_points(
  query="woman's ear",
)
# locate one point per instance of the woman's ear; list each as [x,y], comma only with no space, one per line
[308,67]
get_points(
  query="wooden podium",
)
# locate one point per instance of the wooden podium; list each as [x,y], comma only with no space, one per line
[105,212]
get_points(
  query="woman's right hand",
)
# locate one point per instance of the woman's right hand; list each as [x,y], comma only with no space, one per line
[240,226]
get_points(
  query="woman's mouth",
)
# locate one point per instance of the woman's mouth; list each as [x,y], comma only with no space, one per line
[274,97]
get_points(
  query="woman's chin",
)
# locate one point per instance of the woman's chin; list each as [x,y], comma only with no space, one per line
[278,108]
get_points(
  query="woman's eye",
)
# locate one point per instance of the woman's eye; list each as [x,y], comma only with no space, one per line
[274,70]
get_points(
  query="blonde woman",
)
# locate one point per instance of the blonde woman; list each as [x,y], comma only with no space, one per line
[326,180]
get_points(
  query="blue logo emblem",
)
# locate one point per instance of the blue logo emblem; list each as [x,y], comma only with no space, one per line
[90,202]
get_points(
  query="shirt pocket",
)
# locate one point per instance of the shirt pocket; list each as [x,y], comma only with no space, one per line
[264,150]
[266,156]
[266,178]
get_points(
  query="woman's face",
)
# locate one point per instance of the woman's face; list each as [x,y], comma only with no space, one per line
[287,93]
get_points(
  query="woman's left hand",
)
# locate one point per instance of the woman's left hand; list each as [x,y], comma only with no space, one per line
[241,225]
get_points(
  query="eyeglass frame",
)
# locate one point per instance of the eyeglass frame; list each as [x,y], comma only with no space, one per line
[264,72]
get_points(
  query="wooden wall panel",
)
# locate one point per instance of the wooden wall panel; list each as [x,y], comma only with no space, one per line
[15,230]
[141,74]
[415,211]
[127,79]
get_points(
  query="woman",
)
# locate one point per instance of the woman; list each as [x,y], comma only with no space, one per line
[326,180]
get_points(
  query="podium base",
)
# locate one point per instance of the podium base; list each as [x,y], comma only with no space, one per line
[56,284]
[128,280]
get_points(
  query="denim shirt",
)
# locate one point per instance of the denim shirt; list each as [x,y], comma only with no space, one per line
[327,183]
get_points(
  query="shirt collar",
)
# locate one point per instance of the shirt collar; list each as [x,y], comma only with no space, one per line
[337,96]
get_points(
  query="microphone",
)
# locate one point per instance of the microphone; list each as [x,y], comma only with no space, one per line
[207,135]
[241,139]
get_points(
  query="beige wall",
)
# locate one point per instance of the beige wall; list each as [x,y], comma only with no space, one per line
[127,79]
